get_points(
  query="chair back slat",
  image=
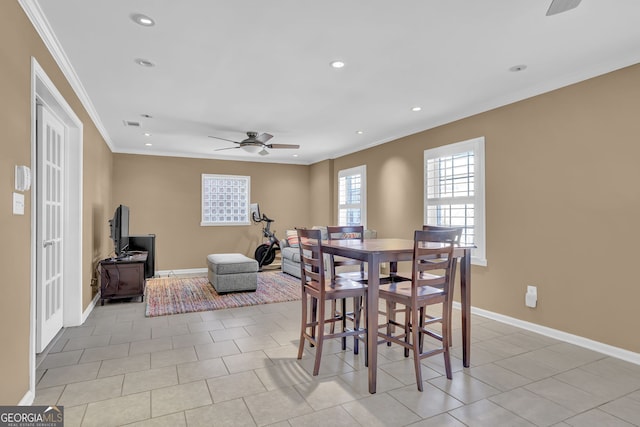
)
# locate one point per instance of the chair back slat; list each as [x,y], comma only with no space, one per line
[345,232]
[432,263]
[311,259]
[443,234]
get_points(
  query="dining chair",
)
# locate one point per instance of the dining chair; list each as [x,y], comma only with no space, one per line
[435,234]
[346,232]
[431,284]
[316,291]
[439,233]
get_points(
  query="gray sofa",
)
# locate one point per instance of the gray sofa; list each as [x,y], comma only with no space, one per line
[291,255]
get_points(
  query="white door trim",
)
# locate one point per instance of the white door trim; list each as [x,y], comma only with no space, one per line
[43,90]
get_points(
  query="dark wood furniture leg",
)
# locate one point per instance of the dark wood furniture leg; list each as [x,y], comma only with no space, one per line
[465,302]
[372,318]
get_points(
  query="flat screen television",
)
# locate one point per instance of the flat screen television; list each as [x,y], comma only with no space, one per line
[119,227]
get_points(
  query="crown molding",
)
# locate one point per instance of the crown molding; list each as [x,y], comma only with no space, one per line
[39,21]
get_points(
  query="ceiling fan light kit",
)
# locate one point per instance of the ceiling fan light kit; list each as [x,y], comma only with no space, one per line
[251,148]
[255,143]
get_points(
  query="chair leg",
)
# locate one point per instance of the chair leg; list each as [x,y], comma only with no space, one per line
[334,314]
[357,309]
[319,336]
[365,313]
[449,335]
[303,326]
[314,317]
[344,322]
[415,338]
[446,333]
[421,326]
[408,326]
[453,281]
[391,316]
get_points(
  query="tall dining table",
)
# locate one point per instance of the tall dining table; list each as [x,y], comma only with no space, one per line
[377,251]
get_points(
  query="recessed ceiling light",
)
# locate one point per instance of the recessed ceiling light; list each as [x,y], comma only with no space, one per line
[337,64]
[144,62]
[295,155]
[517,68]
[147,134]
[143,20]
[148,144]
[416,109]
[359,132]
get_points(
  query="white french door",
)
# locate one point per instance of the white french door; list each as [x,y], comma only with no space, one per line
[49,228]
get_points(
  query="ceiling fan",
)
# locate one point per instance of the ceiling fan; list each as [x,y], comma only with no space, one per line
[559,6]
[255,143]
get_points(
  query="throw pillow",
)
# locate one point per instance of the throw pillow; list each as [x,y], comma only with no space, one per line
[350,235]
[292,238]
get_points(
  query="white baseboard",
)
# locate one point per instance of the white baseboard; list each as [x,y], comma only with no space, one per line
[90,308]
[587,343]
[27,399]
[183,272]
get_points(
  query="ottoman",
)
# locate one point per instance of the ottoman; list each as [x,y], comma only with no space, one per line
[232,272]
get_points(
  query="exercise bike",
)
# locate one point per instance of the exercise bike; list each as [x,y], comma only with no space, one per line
[266,252]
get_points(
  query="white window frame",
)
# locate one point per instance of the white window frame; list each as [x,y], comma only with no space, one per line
[476,145]
[362,171]
[233,191]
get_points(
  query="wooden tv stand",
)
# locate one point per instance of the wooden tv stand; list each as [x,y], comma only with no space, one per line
[122,277]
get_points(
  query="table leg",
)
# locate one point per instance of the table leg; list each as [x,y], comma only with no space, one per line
[465,302]
[372,318]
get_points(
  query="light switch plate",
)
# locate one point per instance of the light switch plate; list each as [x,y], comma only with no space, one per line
[18,204]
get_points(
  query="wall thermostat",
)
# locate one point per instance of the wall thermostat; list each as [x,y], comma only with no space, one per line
[23,178]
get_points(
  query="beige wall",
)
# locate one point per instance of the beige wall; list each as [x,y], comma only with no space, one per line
[321,204]
[163,194]
[18,43]
[562,201]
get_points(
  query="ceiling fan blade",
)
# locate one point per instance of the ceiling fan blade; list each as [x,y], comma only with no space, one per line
[559,6]
[283,146]
[227,148]
[263,137]
[224,139]
[264,152]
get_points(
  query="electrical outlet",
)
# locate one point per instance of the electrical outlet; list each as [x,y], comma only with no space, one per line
[531,297]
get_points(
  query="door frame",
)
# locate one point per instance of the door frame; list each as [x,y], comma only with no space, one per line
[44,91]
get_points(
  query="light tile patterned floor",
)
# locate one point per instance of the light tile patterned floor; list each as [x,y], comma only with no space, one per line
[238,367]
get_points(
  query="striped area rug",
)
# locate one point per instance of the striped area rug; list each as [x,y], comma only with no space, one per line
[174,295]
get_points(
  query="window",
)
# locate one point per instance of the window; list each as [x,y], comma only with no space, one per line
[454,191]
[352,190]
[225,200]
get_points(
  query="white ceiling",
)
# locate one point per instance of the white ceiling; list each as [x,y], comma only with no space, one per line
[226,67]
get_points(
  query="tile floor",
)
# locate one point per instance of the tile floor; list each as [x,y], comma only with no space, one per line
[238,367]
